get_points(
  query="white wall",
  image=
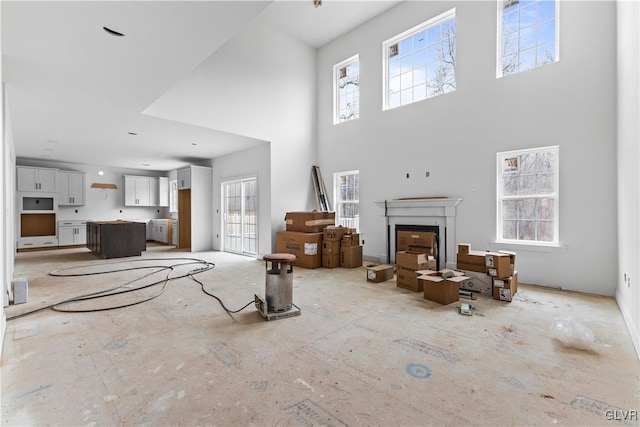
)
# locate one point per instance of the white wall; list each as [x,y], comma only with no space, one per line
[571,103]
[260,84]
[102,205]
[628,283]
[253,162]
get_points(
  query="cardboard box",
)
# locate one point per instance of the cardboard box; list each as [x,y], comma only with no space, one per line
[379,273]
[510,283]
[20,289]
[415,261]
[438,289]
[351,256]
[309,222]
[352,239]
[478,282]
[498,264]
[331,260]
[408,279]
[512,260]
[330,247]
[333,233]
[307,247]
[421,239]
[464,248]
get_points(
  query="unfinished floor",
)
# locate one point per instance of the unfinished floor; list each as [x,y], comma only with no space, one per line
[360,353]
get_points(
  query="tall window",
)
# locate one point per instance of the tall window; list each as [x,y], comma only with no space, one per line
[173,196]
[346,93]
[421,62]
[528,196]
[527,34]
[346,198]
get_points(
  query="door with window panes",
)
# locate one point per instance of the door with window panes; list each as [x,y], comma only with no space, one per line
[240,216]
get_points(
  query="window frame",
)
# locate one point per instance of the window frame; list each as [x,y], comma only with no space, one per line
[499,53]
[336,193]
[336,88]
[436,20]
[500,197]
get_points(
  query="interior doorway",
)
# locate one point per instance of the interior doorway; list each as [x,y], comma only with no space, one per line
[240,218]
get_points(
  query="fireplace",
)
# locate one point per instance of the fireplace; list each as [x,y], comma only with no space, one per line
[435,213]
[419,228]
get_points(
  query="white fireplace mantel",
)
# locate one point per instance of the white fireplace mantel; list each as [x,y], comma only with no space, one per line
[439,212]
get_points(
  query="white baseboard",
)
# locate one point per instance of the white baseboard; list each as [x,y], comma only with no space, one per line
[631,327]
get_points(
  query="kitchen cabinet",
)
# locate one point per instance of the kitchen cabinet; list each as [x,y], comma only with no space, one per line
[163,191]
[195,211]
[36,179]
[115,239]
[184,178]
[137,191]
[72,232]
[160,230]
[71,188]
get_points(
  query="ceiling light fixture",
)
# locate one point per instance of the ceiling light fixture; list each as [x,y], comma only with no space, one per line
[113,32]
[132,133]
[317,3]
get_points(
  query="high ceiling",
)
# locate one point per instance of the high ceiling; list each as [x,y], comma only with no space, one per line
[76,93]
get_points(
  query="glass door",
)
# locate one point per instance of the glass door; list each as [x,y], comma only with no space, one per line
[240,216]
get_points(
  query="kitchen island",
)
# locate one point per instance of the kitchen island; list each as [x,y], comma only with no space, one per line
[116,239]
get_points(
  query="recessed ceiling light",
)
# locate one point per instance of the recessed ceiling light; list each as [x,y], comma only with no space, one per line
[100,173]
[132,133]
[113,32]
[146,164]
[194,143]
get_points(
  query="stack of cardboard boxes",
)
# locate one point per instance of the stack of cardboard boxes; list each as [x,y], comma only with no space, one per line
[490,273]
[415,255]
[316,242]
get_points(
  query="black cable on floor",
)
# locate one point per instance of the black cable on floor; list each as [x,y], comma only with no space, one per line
[117,290]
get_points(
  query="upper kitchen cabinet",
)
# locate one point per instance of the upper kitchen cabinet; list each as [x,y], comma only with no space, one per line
[137,190]
[71,188]
[184,178]
[36,179]
[146,191]
[163,191]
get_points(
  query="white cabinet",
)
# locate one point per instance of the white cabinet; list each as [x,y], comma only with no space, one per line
[184,178]
[195,208]
[160,230]
[154,197]
[163,191]
[72,232]
[71,188]
[174,232]
[137,190]
[36,179]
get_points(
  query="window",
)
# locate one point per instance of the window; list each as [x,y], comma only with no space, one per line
[346,93]
[173,196]
[528,196]
[346,195]
[421,62]
[527,34]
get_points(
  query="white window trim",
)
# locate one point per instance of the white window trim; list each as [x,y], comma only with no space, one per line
[499,10]
[336,191]
[528,244]
[336,100]
[451,13]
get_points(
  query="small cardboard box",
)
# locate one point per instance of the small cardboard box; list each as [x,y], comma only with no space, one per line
[351,256]
[309,222]
[502,294]
[331,260]
[510,283]
[408,279]
[512,260]
[415,261]
[478,282]
[20,289]
[333,233]
[441,290]
[498,265]
[464,248]
[330,247]
[423,239]
[351,239]
[379,273]
[307,247]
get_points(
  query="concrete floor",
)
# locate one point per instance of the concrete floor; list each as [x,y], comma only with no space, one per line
[360,353]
